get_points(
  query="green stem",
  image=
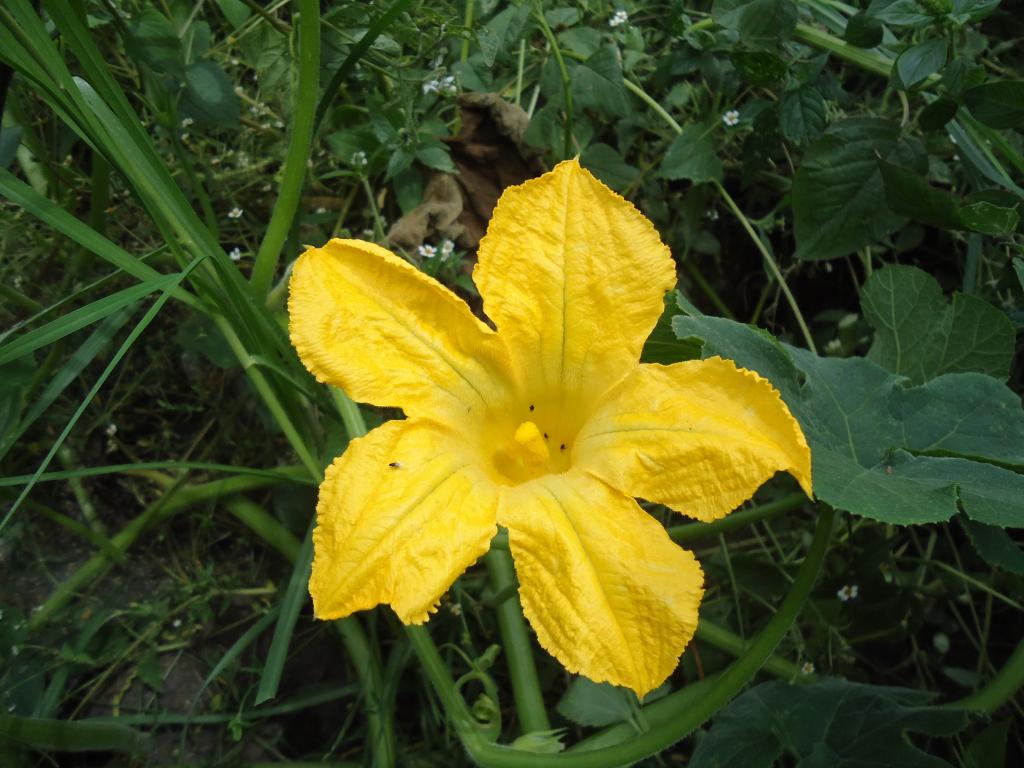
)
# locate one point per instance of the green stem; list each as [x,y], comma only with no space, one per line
[773,267]
[1000,688]
[470,7]
[264,525]
[563,72]
[688,532]
[351,416]
[863,58]
[734,645]
[379,723]
[679,714]
[299,146]
[518,650]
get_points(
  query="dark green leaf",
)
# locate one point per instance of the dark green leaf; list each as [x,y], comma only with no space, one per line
[898,13]
[831,722]
[839,200]
[802,114]
[961,75]
[935,116]
[607,164]
[14,380]
[760,68]
[436,157]
[235,11]
[989,218]
[975,10]
[595,704]
[988,748]
[153,40]
[69,735]
[997,105]
[760,23]
[863,31]
[919,62]
[911,196]
[210,95]
[597,83]
[996,547]
[919,335]
[692,156]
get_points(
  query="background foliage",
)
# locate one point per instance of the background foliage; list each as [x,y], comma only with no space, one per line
[840,184]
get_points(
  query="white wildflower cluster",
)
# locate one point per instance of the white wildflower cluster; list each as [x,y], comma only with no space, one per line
[358,159]
[235,213]
[444,85]
[235,254]
[427,251]
[111,431]
[186,122]
[807,668]
[731,118]
[847,592]
[618,18]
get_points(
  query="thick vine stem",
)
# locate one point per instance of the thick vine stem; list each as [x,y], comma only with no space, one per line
[515,639]
[999,689]
[679,714]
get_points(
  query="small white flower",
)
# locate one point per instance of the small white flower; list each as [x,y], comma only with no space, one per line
[807,668]
[111,430]
[456,609]
[952,138]
[431,86]
[447,84]
[184,136]
[833,347]
[847,592]
[320,209]
[15,650]
[427,251]
[235,254]
[243,158]
[447,248]
[358,159]
[186,122]
[731,118]
[176,623]
[235,213]
[713,215]
[279,124]
[956,157]
[618,18]
[215,161]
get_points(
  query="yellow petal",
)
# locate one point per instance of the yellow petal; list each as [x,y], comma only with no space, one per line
[573,276]
[365,320]
[401,514]
[699,436]
[608,593]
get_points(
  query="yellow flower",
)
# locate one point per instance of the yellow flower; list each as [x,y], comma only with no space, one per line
[548,426]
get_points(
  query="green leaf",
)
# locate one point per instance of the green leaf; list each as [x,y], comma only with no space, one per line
[997,105]
[760,23]
[607,164]
[919,62]
[802,114]
[692,156]
[597,83]
[898,13]
[10,138]
[760,68]
[14,381]
[863,31]
[881,449]
[235,11]
[989,218]
[919,335]
[988,748]
[595,704]
[436,156]
[935,116]
[995,546]
[69,735]
[153,40]
[831,722]
[839,200]
[911,196]
[210,96]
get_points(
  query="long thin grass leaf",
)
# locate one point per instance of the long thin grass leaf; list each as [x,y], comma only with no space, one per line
[97,341]
[294,598]
[125,346]
[80,318]
[285,473]
[70,736]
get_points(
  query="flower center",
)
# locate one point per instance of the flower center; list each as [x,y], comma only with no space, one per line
[534,446]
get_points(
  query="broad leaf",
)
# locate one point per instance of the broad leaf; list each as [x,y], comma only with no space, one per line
[912,196]
[920,335]
[883,449]
[596,704]
[760,23]
[919,62]
[692,156]
[839,202]
[210,96]
[802,114]
[996,547]
[828,723]
[153,40]
[997,105]
[597,83]
[863,31]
